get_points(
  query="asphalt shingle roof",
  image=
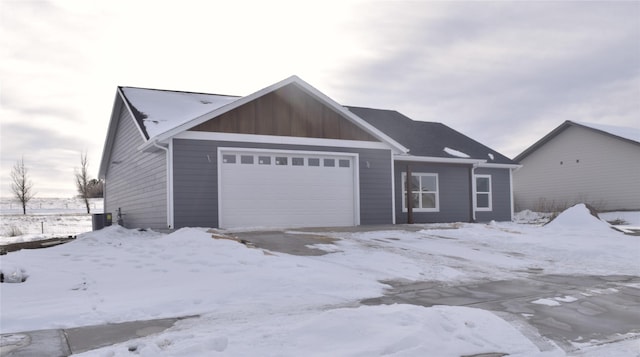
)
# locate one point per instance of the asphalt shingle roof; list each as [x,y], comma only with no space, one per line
[427,138]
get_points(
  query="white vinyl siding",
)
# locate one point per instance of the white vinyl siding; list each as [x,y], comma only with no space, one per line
[580,165]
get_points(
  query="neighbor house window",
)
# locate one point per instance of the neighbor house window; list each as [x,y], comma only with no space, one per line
[424,192]
[483,192]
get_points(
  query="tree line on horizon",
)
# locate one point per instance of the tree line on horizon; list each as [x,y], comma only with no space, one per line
[22,186]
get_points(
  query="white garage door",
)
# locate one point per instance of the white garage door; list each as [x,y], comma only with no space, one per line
[275,189]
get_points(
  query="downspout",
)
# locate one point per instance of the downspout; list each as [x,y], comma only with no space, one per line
[473,192]
[409,198]
[169,184]
[511,192]
[511,171]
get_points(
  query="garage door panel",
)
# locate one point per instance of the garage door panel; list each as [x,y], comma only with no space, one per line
[287,195]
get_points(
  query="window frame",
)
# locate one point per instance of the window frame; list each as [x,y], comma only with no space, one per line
[477,193]
[403,190]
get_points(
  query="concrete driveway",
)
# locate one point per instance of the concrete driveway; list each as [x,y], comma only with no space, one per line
[560,309]
[549,309]
[300,241]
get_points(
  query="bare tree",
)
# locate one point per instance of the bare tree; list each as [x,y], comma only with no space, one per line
[83,182]
[21,186]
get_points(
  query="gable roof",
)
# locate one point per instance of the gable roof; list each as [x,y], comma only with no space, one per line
[631,135]
[219,105]
[429,139]
[158,111]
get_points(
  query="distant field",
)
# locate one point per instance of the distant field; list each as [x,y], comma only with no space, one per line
[48,216]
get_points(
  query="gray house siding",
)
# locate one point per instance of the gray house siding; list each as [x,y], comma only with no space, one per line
[454,186]
[196,180]
[500,195]
[135,181]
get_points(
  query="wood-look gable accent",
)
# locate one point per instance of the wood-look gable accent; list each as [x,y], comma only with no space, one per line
[287,111]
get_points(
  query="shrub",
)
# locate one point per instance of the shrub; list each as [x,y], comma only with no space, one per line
[13,231]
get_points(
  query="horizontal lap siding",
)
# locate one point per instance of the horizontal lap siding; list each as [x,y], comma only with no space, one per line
[195,183]
[580,165]
[196,180]
[500,195]
[135,181]
[454,191]
[376,197]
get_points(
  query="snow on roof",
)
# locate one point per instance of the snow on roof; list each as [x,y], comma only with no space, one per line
[164,110]
[456,153]
[628,133]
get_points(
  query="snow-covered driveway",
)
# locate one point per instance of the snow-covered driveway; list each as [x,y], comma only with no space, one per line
[255,302]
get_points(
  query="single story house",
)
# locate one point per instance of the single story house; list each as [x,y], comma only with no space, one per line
[581,163]
[288,155]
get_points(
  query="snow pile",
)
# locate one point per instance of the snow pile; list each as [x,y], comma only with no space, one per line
[578,218]
[12,274]
[530,217]
[398,330]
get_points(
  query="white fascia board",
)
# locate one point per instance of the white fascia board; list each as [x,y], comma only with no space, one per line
[109,140]
[118,102]
[275,139]
[396,147]
[433,159]
[499,166]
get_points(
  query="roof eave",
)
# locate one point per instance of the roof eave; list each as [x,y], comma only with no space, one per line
[434,159]
[557,131]
[492,165]
[108,142]
[542,141]
[119,101]
[604,132]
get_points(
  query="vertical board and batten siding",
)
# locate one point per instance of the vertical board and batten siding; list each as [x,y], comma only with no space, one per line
[580,165]
[288,111]
[454,186]
[500,195]
[135,181]
[196,180]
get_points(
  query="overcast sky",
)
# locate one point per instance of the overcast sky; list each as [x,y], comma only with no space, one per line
[504,73]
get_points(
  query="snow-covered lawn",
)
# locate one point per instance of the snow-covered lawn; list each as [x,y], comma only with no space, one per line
[254,302]
[45,218]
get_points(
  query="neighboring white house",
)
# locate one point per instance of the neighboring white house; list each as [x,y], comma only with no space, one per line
[580,163]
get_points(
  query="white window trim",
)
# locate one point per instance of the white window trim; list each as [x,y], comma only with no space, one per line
[475,194]
[403,192]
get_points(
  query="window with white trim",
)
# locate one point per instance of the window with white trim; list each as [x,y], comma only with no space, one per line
[424,192]
[483,193]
